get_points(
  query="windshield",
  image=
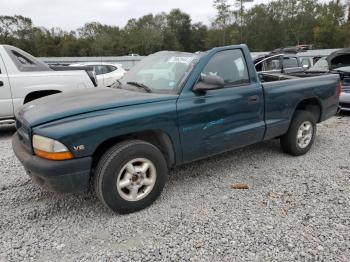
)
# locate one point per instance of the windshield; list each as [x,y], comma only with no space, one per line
[341,60]
[162,71]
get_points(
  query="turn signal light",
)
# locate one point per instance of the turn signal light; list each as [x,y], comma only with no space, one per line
[339,89]
[53,155]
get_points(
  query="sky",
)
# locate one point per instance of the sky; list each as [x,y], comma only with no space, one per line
[72,14]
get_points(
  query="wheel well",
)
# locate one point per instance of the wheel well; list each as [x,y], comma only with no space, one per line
[157,138]
[38,94]
[312,105]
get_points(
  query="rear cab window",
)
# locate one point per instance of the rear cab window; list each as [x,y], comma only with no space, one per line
[24,61]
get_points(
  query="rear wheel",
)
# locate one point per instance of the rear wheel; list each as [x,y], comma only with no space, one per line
[130,176]
[301,134]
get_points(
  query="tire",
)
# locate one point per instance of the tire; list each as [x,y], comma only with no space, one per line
[114,172]
[290,142]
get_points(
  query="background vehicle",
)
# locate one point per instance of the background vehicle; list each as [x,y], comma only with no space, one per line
[308,62]
[125,139]
[24,78]
[337,62]
[283,60]
[294,59]
[106,73]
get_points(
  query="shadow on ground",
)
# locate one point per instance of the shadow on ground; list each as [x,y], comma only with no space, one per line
[343,113]
[7,131]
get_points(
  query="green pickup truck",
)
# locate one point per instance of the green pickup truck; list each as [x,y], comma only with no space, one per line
[171,108]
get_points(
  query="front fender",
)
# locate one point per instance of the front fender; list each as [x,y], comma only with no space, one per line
[90,130]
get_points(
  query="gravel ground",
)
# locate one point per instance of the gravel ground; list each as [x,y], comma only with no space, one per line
[296,208]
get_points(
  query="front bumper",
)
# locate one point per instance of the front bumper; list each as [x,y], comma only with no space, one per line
[58,176]
[344,101]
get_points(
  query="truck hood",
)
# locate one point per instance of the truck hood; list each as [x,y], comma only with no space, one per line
[68,104]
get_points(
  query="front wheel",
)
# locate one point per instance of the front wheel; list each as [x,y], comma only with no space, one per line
[301,134]
[130,176]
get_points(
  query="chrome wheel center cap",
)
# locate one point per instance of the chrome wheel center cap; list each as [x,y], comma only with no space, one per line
[136,179]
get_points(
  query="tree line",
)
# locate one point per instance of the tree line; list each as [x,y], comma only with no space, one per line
[262,27]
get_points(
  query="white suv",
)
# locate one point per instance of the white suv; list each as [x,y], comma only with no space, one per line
[106,73]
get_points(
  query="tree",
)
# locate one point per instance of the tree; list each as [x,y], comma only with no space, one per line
[179,24]
[259,23]
[17,30]
[101,40]
[199,34]
[223,17]
[278,23]
[144,36]
[328,31]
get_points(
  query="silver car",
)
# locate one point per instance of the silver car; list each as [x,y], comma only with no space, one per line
[339,62]
[344,100]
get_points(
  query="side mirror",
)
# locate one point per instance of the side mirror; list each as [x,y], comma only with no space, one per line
[209,82]
[306,67]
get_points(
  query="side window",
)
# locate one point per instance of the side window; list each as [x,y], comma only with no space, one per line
[230,65]
[306,63]
[97,70]
[290,62]
[272,64]
[2,66]
[105,69]
[259,67]
[100,69]
[111,68]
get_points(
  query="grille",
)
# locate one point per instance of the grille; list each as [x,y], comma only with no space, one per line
[346,89]
[345,105]
[346,85]
[24,134]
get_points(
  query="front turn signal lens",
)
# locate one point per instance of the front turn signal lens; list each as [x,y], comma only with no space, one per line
[340,87]
[53,156]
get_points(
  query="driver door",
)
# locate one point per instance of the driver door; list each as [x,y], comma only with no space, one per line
[225,118]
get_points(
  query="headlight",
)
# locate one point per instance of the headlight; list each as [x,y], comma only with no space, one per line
[50,149]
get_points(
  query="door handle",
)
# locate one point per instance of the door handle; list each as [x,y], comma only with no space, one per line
[253,99]
[1,83]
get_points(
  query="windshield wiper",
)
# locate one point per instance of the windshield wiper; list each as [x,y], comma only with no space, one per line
[140,85]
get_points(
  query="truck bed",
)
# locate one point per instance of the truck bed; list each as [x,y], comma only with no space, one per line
[279,107]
